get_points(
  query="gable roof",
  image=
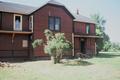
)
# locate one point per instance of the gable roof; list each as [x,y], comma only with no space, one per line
[81,18]
[15,8]
[23,9]
[55,3]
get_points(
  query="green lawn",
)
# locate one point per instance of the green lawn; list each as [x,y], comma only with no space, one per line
[104,67]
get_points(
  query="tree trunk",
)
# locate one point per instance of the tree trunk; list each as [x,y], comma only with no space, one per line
[53,59]
[58,59]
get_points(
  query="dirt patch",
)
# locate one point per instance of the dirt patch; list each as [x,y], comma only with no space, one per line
[5,64]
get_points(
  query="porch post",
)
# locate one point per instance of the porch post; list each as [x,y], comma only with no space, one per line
[95,49]
[73,52]
[13,36]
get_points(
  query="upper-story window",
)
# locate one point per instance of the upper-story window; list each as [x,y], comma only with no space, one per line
[54,23]
[17,22]
[87,28]
[31,23]
[51,23]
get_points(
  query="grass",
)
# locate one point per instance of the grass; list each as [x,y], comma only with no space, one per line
[103,67]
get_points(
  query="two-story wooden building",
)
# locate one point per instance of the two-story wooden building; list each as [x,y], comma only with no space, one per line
[20,25]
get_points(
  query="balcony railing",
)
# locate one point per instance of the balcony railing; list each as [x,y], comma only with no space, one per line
[10,31]
[16,32]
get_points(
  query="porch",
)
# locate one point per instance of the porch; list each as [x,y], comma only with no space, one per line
[84,44]
[15,44]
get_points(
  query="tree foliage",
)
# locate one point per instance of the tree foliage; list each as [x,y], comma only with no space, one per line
[104,43]
[37,42]
[100,24]
[100,31]
[55,45]
[107,46]
[114,47]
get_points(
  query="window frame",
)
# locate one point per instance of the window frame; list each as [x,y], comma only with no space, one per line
[20,22]
[88,28]
[31,27]
[54,19]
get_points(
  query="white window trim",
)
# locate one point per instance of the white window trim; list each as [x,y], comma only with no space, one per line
[20,23]
[32,23]
[87,29]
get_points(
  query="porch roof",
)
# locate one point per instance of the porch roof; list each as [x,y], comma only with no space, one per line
[81,18]
[87,36]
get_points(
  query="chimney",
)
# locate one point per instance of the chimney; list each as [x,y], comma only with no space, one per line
[51,0]
[77,12]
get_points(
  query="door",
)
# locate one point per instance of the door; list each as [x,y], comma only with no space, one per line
[82,46]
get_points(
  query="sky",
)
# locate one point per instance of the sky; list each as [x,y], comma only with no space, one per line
[109,9]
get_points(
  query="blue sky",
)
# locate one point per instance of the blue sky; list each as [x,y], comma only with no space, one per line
[109,9]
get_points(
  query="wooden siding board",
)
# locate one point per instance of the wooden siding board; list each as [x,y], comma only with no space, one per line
[0,19]
[25,21]
[7,21]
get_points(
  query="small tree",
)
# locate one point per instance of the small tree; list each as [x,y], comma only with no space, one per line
[55,45]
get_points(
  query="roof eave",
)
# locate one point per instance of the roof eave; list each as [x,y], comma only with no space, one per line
[84,21]
[15,12]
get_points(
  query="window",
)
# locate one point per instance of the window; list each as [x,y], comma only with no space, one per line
[57,24]
[17,22]
[31,23]
[54,23]
[25,43]
[87,28]
[51,23]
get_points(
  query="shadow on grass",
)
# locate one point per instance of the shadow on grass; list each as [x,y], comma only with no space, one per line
[107,55]
[22,60]
[77,63]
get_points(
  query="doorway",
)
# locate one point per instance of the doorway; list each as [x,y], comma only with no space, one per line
[82,46]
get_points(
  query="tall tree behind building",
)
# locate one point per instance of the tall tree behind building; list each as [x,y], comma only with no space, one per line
[100,31]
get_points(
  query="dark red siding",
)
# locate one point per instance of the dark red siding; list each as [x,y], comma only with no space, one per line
[41,23]
[7,47]
[89,45]
[7,21]
[80,28]
[25,25]
[92,28]
[77,45]
[15,49]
